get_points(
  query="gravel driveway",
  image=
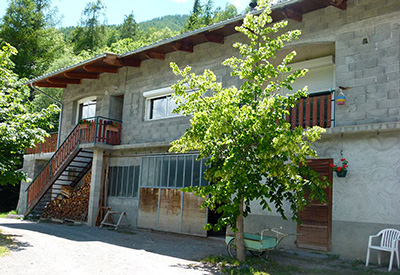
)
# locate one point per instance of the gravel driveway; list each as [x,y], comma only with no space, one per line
[61,249]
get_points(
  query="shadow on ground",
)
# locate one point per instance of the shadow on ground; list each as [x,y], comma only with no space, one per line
[168,244]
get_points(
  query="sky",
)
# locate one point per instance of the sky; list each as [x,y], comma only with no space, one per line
[143,10]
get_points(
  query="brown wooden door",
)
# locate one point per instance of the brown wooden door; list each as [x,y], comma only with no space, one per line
[316,227]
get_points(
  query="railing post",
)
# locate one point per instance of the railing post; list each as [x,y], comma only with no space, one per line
[79,135]
[95,130]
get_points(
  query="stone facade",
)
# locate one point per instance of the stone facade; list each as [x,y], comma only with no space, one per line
[365,42]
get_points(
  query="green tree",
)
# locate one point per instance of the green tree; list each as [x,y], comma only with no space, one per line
[20,127]
[194,21]
[27,24]
[91,32]
[242,131]
[221,15]
[203,15]
[128,27]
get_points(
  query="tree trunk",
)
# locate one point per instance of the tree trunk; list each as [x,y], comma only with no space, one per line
[239,235]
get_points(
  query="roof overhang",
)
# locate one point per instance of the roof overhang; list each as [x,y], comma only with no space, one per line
[216,33]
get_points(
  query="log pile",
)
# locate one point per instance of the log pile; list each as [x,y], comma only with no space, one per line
[70,204]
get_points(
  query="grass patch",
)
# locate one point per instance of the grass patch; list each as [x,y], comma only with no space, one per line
[286,264]
[5,242]
[228,265]
[4,215]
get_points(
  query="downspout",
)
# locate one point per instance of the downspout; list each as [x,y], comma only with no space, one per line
[60,116]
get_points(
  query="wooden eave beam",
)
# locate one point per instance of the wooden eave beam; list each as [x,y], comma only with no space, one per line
[100,69]
[49,85]
[81,75]
[131,62]
[215,38]
[292,14]
[63,81]
[113,61]
[340,4]
[183,46]
[155,55]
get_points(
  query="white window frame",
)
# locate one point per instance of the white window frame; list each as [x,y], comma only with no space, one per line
[154,94]
[81,101]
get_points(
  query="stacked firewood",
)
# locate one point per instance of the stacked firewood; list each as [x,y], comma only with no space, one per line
[74,207]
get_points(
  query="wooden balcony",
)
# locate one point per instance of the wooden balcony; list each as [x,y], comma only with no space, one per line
[48,146]
[315,110]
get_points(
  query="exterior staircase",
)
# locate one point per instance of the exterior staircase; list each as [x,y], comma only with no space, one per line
[70,162]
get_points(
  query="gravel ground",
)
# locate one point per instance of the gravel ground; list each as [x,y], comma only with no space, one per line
[42,248]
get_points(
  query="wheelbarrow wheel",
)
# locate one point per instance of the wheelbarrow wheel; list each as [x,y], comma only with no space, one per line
[257,253]
[232,248]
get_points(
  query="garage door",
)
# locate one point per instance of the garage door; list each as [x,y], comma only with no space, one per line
[162,204]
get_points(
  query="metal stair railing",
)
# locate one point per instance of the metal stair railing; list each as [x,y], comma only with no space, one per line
[91,130]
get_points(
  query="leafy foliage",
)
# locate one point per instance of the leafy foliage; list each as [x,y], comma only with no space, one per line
[91,32]
[203,15]
[242,131]
[27,25]
[20,126]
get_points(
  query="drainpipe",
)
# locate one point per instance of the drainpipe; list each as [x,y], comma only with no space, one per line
[60,116]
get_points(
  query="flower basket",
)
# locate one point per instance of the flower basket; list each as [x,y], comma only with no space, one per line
[111,128]
[341,168]
[84,126]
[341,174]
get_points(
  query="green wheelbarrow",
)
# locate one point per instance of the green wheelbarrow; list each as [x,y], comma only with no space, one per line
[256,244]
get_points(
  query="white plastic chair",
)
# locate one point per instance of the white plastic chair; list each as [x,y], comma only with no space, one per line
[389,243]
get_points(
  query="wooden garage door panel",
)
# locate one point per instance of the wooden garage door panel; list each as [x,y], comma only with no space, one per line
[148,208]
[194,218]
[178,212]
[170,210]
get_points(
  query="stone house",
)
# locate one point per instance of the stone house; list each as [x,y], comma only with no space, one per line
[352,44]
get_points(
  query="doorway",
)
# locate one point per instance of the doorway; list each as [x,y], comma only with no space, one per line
[316,228]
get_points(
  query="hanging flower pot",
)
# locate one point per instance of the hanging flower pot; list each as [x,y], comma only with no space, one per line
[341,168]
[341,174]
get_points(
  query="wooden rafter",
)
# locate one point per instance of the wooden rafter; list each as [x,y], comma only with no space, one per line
[49,85]
[214,37]
[81,75]
[183,46]
[100,69]
[155,55]
[340,4]
[114,61]
[63,81]
[292,14]
[132,62]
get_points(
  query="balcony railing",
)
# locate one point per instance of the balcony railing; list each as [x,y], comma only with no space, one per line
[315,110]
[100,130]
[48,146]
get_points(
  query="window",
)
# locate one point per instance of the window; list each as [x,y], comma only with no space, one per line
[123,181]
[175,171]
[319,78]
[159,104]
[86,108]
[162,107]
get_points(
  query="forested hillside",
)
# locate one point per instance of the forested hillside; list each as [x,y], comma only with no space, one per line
[30,26]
